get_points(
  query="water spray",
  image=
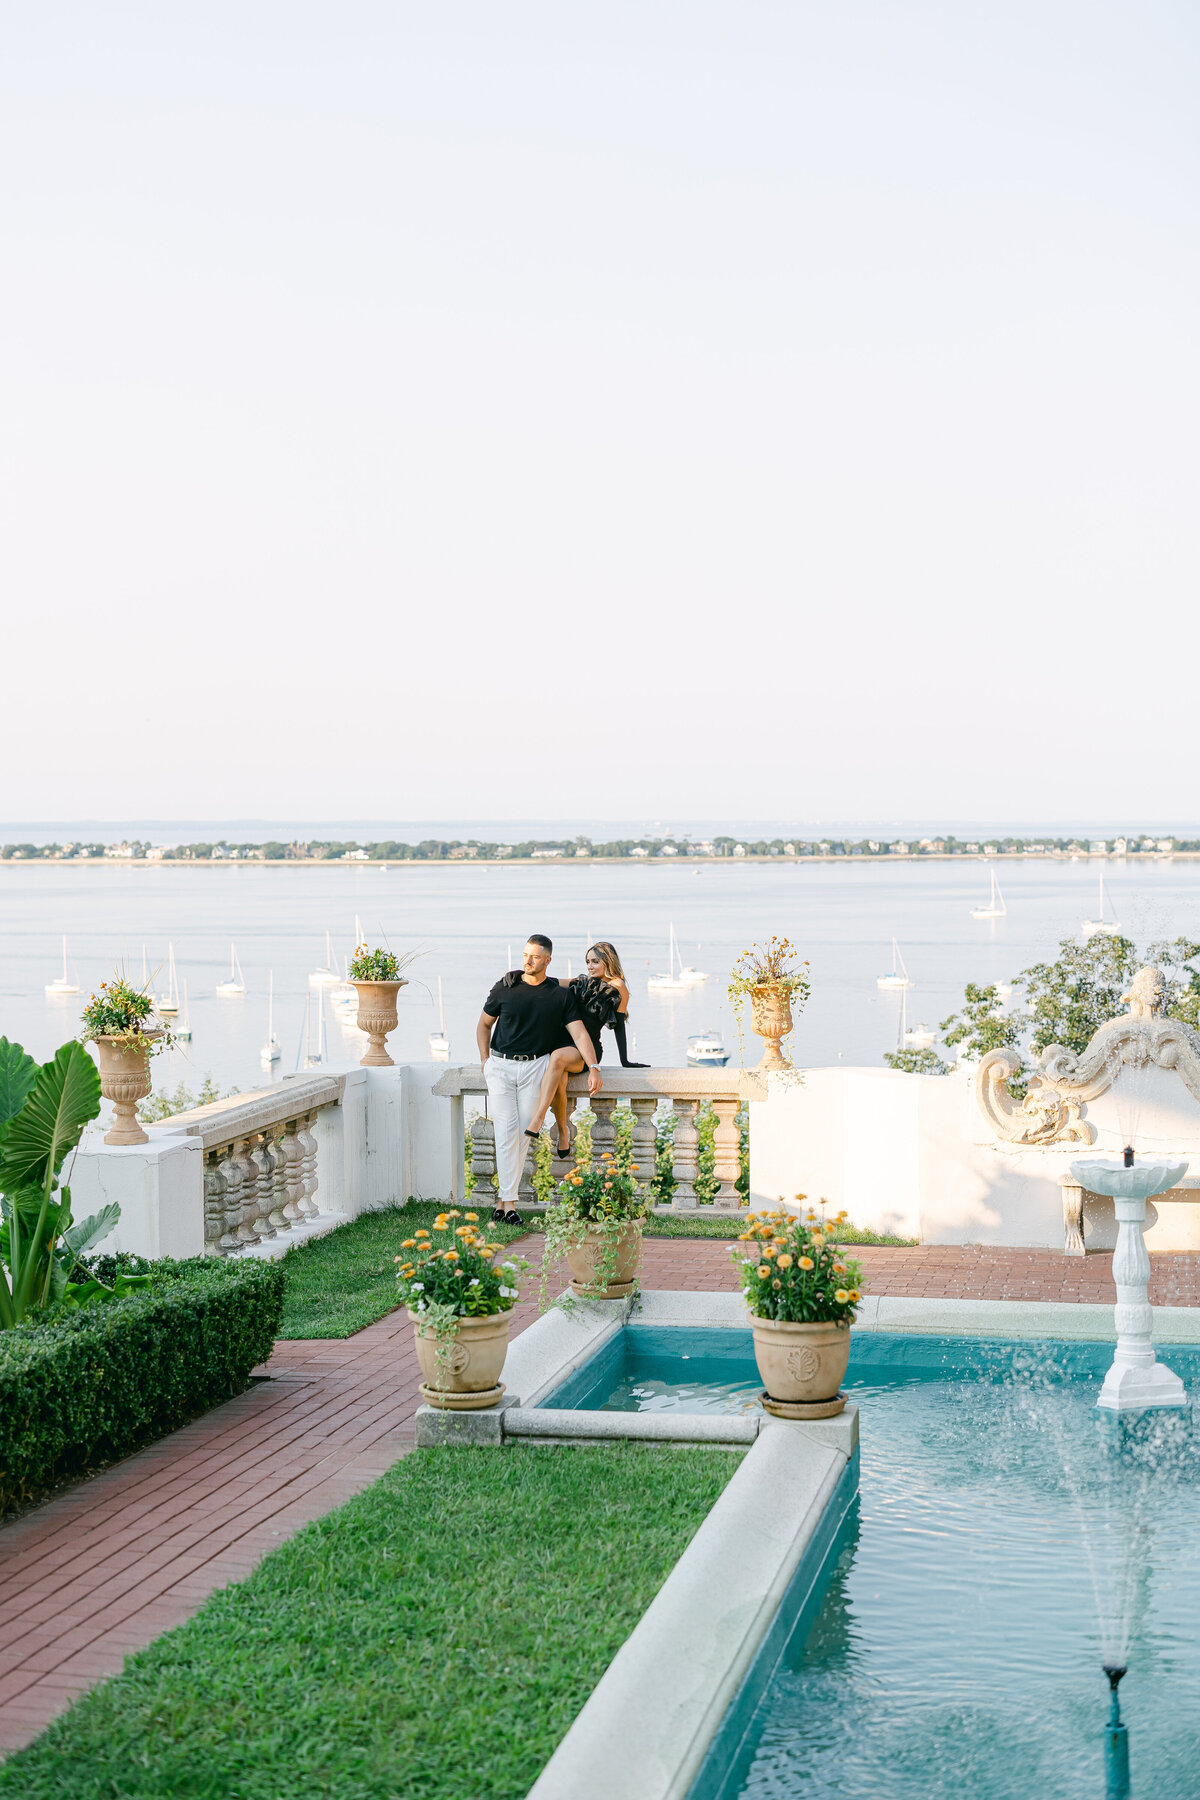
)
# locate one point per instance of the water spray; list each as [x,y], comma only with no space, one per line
[1116,1740]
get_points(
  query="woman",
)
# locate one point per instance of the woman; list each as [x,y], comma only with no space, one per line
[603,998]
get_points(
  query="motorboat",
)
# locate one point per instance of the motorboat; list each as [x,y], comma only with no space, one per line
[327,975]
[677,975]
[996,907]
[62,984]
[167,1005]
[920,1037]
[706,1050]
[270,1051]
[236,984]
[899,977]
[1100,926]
[439,1043]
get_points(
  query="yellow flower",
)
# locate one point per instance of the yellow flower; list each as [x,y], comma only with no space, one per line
[777,1283]
[487,1250]
[454,1213]
[839,1268]
[804,1262]
[752,1218]
[840,1216]
[474,1217]
[767,1252]
[763,1271]
[842,1296]
[462,1231]
[408,1243]
[855,1296]
[607,1157]
[422,1233]
[784,1261]
[450,1255]
[818,1240]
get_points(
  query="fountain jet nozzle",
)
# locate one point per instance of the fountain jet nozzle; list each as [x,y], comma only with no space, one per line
[1129,1156]
[1116,1741]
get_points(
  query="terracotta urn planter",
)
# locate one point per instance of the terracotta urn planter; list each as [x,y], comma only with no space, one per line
[590,1263]
[771,1011]
[802,1366]
[125,1079]
[377,1016]
[462,1370]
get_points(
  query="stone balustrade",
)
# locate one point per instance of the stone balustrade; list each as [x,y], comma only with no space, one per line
[645,1091]
[261,1158]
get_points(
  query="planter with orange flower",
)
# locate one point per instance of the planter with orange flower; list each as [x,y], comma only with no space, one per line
[802,1293]
[121,1022]
[596,1224]
[460,1297]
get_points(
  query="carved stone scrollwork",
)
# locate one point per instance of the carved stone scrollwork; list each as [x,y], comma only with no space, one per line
[1044,1116]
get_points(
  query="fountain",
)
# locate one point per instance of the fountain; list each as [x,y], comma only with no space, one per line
[1116,1741]
[1136,1379]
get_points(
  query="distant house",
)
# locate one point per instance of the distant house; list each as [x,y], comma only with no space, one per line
[989,849]
[900,849]
[1040,849]
[872,846]
[582,850]
[155,853]
[1120,846]
[824,847]
[1146,844]
[667,850]
[703,848]
[1166,843]
[972,849]
[1097,847]
[350,855]
[739,849]
[503,849]
[457,850]
[546,853]
[639,850]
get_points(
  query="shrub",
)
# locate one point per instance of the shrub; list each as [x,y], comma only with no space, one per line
[91,1384]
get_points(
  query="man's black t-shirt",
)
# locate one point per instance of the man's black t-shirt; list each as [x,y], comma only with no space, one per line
[531,1021]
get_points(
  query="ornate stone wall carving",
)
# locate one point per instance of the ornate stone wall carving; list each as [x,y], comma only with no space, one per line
[1052,1110]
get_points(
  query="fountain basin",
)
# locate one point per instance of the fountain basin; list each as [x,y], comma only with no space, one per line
[1141,1181]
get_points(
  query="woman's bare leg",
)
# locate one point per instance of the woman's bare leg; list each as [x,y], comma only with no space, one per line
[554,1083]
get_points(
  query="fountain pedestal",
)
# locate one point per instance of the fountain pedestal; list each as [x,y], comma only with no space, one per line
[1136,1379]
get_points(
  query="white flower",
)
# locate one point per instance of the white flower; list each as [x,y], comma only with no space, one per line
[509,1293]
[417,1287]
[474,1283]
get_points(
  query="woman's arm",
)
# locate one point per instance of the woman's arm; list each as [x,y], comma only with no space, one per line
[622,995]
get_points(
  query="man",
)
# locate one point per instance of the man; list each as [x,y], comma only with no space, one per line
[524,1019]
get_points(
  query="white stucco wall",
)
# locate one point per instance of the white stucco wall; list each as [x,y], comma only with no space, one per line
[913,1154]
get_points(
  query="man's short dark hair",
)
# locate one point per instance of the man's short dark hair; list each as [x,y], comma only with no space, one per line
[535,937]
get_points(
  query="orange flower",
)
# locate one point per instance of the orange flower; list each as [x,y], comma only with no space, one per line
[783,1262]
[763,1271]
[804,1262]
[422,1233]
[855,1296]
[842,1296]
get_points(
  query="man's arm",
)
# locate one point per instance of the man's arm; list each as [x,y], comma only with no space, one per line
[483,1035]
[586,1049]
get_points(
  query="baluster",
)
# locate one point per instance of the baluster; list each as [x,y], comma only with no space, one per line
[231,1170]
[604,1133]
[292,1151]
[278,1214]
[727,1145]
[308,1167]
[247,1193]
[685,1149]
[214,1206]
[264,1187]
[483,1160]
[645,1135]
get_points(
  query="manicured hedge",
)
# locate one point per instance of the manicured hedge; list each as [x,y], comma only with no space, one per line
[93,1383]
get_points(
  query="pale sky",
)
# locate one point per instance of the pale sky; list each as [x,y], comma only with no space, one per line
[504,410]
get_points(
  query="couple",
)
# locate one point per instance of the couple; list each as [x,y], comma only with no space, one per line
[532,1034]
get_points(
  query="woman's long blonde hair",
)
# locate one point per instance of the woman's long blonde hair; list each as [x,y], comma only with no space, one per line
[609,957]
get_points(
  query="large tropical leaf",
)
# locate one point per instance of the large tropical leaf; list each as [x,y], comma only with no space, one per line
[89,1232]
[18,1072]
[65,1096]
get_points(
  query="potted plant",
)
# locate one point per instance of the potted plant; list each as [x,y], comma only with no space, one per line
[801,1292]
[459,1299]
[776,984]
[376,976]
[596,1224]
[120,1021]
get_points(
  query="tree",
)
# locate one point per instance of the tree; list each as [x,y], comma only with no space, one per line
[916,1062]
[1070,998]
[981,1026]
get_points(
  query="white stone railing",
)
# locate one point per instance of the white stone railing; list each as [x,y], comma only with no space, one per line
[645,1091]
[261,1160]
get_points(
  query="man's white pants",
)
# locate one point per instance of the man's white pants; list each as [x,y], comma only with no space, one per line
[513,1089]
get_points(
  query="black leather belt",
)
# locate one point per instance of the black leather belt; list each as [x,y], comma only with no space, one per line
[506,1057]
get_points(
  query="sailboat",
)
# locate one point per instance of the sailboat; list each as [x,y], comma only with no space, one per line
[439,1043]
[237,981]
[677,974]
[1100,926]
[996,907]
[327,975]
[899,977]
[270,1051]
[313,1057]
[168,1003]
[183,1030]
[62,984]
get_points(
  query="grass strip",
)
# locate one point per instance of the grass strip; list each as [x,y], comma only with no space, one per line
[434,1638]
[337,1284]
[728,1225]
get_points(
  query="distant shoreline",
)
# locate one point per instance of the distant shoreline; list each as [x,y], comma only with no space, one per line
[393,867]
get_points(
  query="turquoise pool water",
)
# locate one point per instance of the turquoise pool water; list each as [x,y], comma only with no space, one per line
[667,1368]
[954,1642]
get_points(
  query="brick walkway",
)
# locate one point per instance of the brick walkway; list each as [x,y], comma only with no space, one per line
[121,1558]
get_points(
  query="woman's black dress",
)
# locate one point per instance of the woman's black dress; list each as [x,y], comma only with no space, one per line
[599,1004]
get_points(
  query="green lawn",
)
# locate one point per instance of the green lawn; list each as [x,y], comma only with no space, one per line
[728,1225]
[339,1283]
[432,1639]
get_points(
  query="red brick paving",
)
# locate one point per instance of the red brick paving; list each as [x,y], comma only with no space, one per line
[108,1566]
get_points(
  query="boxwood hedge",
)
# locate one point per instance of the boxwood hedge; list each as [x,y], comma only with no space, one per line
[92,1383]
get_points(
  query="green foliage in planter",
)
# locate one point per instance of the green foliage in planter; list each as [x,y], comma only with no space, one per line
[92,1383]
[793,1269]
